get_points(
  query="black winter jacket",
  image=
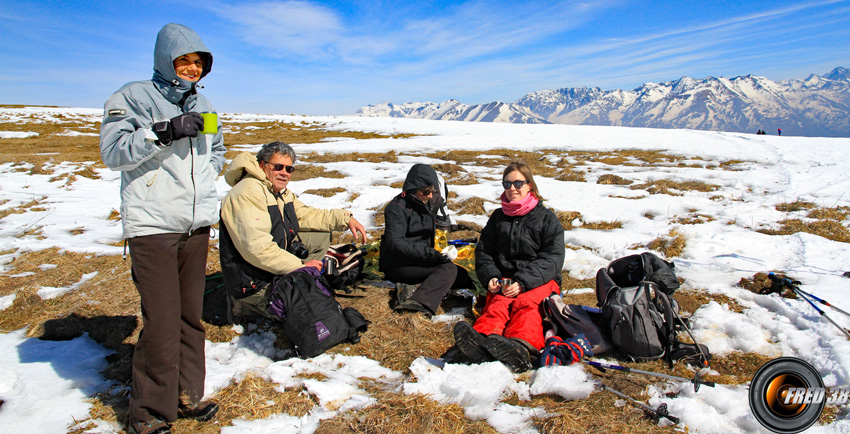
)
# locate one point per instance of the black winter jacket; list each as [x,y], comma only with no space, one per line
[528,249]
[410,224]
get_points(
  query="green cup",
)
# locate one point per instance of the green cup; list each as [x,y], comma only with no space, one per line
[210,123]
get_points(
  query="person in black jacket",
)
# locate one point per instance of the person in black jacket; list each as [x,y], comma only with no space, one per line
[520,256]
[408,256]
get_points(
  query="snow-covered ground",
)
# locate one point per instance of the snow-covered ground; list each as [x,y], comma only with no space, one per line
[36,375]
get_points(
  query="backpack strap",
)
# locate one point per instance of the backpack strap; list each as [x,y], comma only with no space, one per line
[665,308]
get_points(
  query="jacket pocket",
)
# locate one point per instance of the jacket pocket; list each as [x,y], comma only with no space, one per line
[150,184]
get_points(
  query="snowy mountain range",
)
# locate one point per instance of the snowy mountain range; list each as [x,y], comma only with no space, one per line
[817,106]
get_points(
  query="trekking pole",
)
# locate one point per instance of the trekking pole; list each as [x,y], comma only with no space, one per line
[822,301]
[792,286]
[697,381]
[660,412]
[699,347]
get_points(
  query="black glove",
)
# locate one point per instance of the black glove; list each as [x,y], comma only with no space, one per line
[178,127]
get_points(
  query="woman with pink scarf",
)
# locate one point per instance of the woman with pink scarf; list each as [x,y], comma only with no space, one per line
[520,256]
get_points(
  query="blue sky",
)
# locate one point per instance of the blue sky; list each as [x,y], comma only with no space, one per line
[332,57]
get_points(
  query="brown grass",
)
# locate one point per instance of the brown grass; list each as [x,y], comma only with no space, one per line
[310,171]
[567,217]
[403,414]
[472,205]
[693,219]
[829,229]
[611,179]
[603,225]
[373,157]
[570,174]
[838,214]
[324,192]
[265,132]
[674,188]
[23,208]
[76,149]
[670,246]
[797,205]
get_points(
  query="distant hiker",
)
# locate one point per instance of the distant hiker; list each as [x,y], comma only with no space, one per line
[150,133]
[779,131]
[267,231]
[520,255]
[408,256]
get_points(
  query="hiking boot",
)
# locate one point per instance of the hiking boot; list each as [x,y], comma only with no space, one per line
[413,306]
[470,343]
[201,411]
[153,426]
[510,352]
[403,292]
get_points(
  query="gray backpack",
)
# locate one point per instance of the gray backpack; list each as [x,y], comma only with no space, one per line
[637,314]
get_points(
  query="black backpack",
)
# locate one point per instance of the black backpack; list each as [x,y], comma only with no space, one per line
[314,321]
[633,294]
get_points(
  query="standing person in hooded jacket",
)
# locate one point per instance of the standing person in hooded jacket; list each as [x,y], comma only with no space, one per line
[150,133]
[408,255]
[522,241]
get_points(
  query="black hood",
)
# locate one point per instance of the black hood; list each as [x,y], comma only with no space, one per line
[419,177]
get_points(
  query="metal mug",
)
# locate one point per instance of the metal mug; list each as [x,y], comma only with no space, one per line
[329,266]
[506,282]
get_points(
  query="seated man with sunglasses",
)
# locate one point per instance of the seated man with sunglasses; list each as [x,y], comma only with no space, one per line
[267,231]
[408,256]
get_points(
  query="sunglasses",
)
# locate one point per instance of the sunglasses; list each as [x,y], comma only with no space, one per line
[279,167]
[426,191]
[517,184]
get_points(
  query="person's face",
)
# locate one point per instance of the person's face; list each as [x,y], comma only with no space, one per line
[424,194]
[278,171]
[189,67]
[514,194]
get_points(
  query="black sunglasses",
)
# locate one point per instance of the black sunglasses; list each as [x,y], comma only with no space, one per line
[517,184]
[426,191]
[279,167]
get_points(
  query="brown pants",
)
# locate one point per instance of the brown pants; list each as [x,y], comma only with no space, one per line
[169,271]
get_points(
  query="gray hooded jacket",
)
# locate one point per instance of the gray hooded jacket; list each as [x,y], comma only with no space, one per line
[164,188]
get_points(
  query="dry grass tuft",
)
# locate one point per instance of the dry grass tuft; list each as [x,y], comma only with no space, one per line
[571,175]
[693,219]
[365,157]
[266,132]
[255,398]
[23,208]
[473,206]
[567,217]
[309,171]
[838,214]
[797,205]
[673,188]
[324,192]
[829,229]
[611,179]
[670,246]
[603,225]
[403,414]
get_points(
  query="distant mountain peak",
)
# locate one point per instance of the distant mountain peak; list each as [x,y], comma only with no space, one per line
[816,106]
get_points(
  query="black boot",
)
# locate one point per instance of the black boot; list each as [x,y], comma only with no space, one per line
[510,352]
[470,343]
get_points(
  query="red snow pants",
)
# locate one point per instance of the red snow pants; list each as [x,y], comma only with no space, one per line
[516,317]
